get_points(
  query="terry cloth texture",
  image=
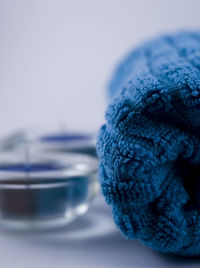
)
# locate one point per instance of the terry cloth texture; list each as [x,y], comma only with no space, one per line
[149,147]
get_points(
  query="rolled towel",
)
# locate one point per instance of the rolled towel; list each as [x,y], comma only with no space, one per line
[149,147]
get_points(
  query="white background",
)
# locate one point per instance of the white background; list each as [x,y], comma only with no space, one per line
[56,58]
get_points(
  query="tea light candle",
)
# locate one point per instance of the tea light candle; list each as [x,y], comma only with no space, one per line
[10,141]
[71,142]
[45,191]
[65,137]
[61,141]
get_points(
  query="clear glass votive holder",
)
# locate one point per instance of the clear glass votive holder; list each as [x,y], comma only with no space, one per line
[43,190]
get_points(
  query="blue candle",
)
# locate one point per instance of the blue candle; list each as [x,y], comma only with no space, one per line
[65,137]
[69,142]
[47,190]
[34,167]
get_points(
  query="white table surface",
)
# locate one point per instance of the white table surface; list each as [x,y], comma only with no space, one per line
[90,241]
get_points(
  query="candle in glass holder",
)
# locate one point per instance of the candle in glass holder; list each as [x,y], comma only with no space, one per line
[60,141]
[69,142]
[47,190]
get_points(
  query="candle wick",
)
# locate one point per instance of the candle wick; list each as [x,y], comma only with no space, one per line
[27,158]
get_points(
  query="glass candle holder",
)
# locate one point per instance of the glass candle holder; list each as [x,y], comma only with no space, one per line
[68,142]
[55,141]
[44,190]
[12,140]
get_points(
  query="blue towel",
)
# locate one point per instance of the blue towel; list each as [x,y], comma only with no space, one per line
[149,147]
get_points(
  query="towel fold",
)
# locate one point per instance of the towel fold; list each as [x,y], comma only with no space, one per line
[149,147]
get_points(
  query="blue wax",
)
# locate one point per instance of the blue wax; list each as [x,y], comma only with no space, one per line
[33,167]
[64,137]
